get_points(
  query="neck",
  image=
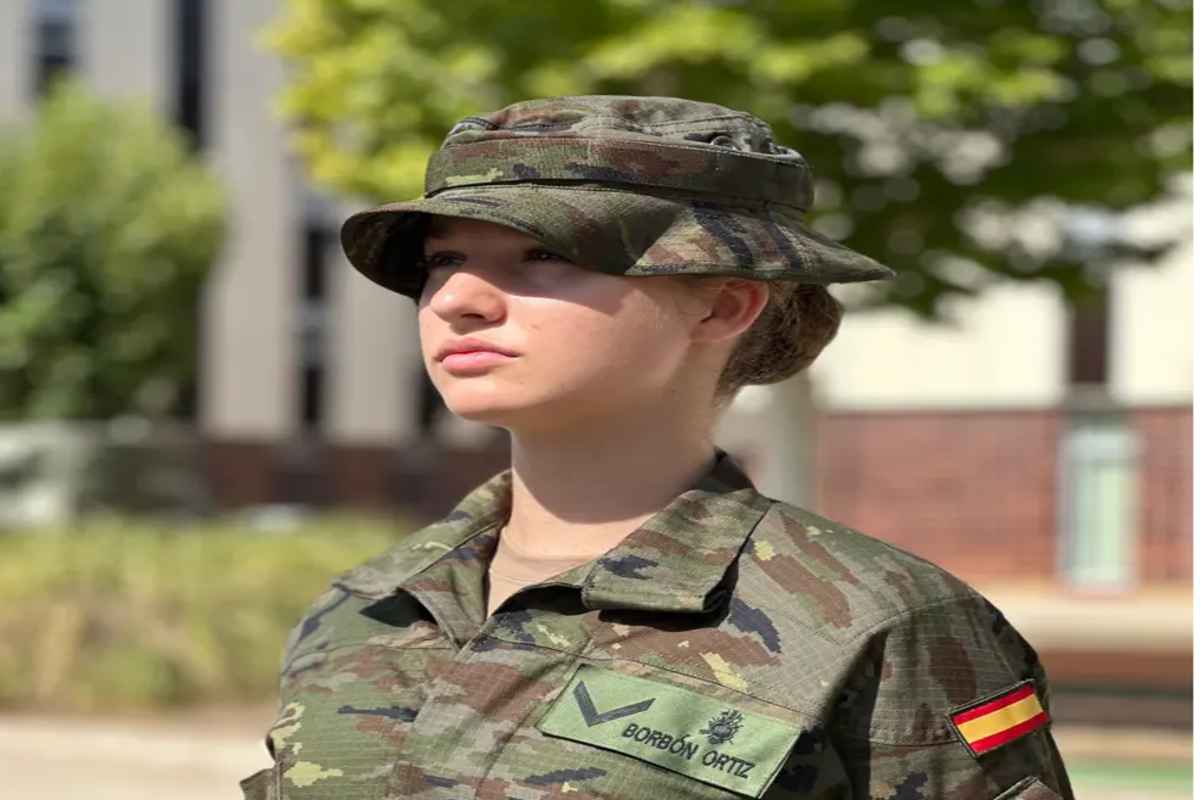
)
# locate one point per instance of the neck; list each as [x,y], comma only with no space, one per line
[579,496]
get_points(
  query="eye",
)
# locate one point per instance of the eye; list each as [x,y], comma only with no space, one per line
[539,254]
[440,260]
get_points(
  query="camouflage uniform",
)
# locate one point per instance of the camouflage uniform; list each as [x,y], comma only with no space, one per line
[733,645]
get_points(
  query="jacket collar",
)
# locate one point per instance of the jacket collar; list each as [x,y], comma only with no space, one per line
[673,562]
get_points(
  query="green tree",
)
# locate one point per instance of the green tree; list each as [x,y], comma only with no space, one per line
[108,226]
[923,119]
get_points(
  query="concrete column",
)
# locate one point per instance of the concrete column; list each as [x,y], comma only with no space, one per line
[125,50]
[16,60]
[375,356]
[770,429]
[789,471]
[249,371]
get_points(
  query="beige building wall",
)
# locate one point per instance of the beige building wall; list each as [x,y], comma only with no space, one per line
[125,50]
[1152,331]
[16,67]
[374,356]
[1005,348]
[248,378]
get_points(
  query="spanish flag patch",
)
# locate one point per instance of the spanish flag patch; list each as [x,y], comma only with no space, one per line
[995,720]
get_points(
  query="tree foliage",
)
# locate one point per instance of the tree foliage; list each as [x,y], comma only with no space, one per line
[929,124]
[108,226]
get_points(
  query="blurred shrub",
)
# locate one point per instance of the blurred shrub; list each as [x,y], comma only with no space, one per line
[108,226]
[123,614]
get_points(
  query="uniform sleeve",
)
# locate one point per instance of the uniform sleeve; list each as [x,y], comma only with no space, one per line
[300,639]
[948,701]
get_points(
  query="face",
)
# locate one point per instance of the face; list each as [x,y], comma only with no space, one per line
[582,345]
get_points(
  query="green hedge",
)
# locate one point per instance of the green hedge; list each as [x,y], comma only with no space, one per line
[118,614]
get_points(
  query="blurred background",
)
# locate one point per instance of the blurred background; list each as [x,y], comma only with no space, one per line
[205,413]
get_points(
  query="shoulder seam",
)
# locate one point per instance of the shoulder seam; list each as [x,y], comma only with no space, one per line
[970,594]
[965,591]
[911,612]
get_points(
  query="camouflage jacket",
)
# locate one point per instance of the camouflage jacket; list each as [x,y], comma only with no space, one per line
[732,646]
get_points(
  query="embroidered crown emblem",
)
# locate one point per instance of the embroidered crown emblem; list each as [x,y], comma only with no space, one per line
[723,727]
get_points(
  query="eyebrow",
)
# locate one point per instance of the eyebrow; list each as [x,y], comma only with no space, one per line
[445,250]
[451,251]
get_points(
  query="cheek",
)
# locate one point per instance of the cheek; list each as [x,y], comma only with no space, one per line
[639,339]
[425,332]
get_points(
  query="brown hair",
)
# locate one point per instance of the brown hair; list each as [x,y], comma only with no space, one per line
[795,325]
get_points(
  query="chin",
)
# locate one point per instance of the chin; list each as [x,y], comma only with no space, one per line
[500,408]
[489,406]
[492,416]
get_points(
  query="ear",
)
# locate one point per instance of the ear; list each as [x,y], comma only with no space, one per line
[732,306]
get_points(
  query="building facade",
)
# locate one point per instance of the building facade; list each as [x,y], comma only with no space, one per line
[1023,441]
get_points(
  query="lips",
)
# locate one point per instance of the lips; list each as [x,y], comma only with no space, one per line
[470,346]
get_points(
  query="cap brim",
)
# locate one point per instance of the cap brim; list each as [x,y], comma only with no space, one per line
[612,230]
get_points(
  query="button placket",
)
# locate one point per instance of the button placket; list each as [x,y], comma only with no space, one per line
[437,735]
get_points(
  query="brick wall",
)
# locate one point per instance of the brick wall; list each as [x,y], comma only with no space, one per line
[974,491]
[1165,493]
[977,491]
[240,473]
[971,491]
[422,479]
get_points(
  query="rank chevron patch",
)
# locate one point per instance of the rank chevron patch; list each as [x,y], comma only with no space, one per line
[997,719]
[592,717]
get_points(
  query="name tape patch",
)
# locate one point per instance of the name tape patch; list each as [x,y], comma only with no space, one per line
[995,720]
[676,728]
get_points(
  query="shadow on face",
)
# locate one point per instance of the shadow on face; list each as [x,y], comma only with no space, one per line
[519,264]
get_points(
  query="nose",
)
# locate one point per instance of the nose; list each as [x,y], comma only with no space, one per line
[467,294]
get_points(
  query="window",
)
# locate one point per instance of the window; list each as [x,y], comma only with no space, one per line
[1098,502]
[55,41]
[1088,340]
[190,57]
[313,326]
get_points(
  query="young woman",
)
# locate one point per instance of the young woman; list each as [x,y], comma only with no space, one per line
[621,614]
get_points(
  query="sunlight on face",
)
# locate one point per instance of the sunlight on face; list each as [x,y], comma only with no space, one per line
[582,345]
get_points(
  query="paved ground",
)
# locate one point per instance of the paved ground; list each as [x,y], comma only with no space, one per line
[201,756]
[130,758]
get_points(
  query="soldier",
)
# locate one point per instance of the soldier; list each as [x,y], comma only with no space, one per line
[621,614]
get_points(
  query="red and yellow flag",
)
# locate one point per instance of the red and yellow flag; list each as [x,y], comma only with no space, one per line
[998,720]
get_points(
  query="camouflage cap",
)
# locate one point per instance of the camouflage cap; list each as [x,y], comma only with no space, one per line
[620,184]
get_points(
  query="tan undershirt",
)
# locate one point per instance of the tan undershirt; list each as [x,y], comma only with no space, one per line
[512,569]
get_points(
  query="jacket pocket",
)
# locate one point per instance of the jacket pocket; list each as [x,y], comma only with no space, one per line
[260,785]
[1030,788]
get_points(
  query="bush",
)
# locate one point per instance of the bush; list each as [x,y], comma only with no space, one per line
[117,614]
[108,227]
